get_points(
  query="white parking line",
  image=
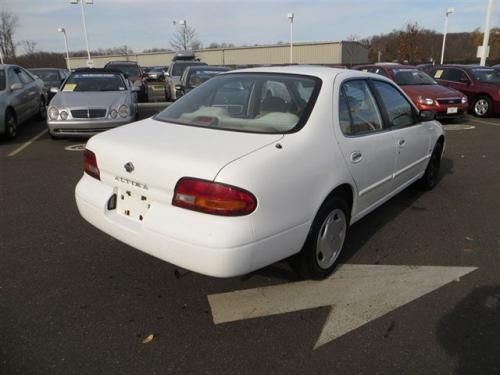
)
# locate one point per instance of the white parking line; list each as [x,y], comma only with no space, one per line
[26,144]
[483,122]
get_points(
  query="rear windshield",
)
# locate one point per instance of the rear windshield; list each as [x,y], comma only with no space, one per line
[128,70]
[486,75]
[247,102]
[412,77]
[197,77]
[179,68]
[47,75]
[2,80]
[85,82]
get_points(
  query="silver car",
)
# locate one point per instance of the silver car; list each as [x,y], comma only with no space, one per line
[22,96]
[91,101]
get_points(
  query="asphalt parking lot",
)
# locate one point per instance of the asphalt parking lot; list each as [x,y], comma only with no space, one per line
[75,301]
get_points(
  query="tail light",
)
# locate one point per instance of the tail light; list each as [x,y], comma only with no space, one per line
[90,164]
[213,198]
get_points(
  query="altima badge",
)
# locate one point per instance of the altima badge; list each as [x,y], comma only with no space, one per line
[129,167]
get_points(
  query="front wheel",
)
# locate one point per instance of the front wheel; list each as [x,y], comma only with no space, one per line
[430,178]
[482,106]
[325,241]
[10,125]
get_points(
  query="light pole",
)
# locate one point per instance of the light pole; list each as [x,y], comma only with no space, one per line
[486,38]
[448,12]
[290,17]
[89,60]
[63,31]
[184,34]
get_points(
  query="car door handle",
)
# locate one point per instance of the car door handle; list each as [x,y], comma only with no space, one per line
[401,142]
[356,157]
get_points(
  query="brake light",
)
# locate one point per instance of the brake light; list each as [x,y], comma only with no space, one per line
[213,198]
[90,164]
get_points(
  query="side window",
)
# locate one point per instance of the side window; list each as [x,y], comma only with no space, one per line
[23,76]
[362,108]
[452,74]
[12,77]
[399,110]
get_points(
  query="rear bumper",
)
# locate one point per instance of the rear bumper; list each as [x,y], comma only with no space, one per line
[207,244]
[84,128]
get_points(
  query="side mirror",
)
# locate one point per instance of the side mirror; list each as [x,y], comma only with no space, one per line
[16,86]
[54,90]
[136,88]
[426,116]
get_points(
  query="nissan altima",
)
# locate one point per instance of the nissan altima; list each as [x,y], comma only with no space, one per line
[91,101]
[258,165]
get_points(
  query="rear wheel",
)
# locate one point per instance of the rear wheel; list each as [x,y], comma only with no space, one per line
[482,106]
[10,125]
[325,241]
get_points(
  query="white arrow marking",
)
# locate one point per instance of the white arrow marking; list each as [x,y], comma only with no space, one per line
[357,295]
[78,147]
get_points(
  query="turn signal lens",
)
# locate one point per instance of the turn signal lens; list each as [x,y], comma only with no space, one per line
[213,198]
[90,164]
[464,99]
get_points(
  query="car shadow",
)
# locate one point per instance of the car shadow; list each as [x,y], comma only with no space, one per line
[362,231]
[470,332]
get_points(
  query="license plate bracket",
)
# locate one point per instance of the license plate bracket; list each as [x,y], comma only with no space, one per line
[132,204]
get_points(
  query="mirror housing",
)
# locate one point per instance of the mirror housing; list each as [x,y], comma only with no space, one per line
[179,90]
[16,86]
[135,88]
[54,90]
[426,115]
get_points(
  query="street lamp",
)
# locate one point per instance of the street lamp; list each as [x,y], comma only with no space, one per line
[90,63]
[184,34]
[486,37]
[62,30]
[448,12]
[290,17]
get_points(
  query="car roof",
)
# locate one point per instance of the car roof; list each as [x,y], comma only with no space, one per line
[46,69]
[121,63]
[97,70]
[207,67]
[386,65]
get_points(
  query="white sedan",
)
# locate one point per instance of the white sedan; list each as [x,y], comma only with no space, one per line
[257,165]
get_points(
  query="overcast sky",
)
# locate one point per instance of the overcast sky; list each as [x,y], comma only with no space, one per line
[145,24]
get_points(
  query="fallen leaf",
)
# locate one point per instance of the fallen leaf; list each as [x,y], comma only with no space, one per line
[148,339]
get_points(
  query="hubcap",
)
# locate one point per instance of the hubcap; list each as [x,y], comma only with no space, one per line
[481,107]
[331,238]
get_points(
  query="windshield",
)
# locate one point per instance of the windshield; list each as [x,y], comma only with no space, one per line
[84,82]
[2,80]
[47,75]
[199,76]
[128,70]
[251,102]
[486,75]
[412,77]
[179,68]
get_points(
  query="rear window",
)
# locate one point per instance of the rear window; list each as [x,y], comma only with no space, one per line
[2,80]
[412,77]
[247,102]
[87,82]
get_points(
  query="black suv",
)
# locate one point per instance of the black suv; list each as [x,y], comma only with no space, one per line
[133,73]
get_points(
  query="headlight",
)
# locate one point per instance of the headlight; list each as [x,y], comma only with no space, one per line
[53,113]
[425,101]
[464,99]
[123,110]
[113,113]
[64,115]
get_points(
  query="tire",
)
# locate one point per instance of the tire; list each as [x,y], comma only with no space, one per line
[482,106]
[328,232]
[42,110]
[430,178]
[10,125]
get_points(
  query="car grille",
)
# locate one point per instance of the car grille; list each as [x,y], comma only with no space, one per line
[449,101]
[88,113]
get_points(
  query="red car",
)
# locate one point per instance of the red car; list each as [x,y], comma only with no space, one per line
[481,84]
[426,93]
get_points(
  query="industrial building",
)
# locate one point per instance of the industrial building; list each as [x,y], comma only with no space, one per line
[343,52]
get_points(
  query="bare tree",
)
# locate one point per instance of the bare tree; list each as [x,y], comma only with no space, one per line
[29,47]
[8,25]
[184,38]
